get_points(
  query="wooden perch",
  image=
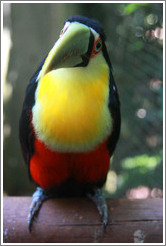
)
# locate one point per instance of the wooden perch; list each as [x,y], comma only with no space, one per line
[78,221]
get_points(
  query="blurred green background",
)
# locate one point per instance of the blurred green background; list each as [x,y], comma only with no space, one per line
[134,34]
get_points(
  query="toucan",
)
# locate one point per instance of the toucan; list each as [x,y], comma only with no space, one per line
[70,120]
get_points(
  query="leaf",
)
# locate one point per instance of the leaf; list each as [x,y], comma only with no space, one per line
[143,162]
[131,7]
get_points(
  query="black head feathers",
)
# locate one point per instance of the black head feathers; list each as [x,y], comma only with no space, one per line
[93,23]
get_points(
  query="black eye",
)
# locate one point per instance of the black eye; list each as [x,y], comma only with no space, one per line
[98,45]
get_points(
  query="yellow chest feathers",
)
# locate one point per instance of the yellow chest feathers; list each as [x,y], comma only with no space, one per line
[71,111]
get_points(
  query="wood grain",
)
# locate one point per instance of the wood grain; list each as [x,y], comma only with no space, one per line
[77,221]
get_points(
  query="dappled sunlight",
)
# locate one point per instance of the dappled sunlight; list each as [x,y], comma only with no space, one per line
[7,87]
[156,192]
[158,33]
[141,113]
[143,192]
[6,44]
[152,140]
[143,162]
[140,192]
[151,19]
[111,183]
[155,34]
[155,84]
[6,131]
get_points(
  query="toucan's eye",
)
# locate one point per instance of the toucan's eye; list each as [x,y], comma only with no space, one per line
[98,45]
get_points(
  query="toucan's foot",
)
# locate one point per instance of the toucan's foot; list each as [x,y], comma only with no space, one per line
[100,202]
[39,197]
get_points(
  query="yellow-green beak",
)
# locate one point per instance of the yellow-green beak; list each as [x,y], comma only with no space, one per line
[69,49]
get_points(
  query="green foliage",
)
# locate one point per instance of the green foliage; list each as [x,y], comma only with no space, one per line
[140,170]
[142,162]
[131,7]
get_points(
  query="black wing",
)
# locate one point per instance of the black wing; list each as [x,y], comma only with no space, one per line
[114,107]
[26,134]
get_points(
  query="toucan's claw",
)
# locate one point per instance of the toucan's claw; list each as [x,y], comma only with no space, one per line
[99,199]
[39,197]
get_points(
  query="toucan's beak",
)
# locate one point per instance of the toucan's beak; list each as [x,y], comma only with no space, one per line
[69,50]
